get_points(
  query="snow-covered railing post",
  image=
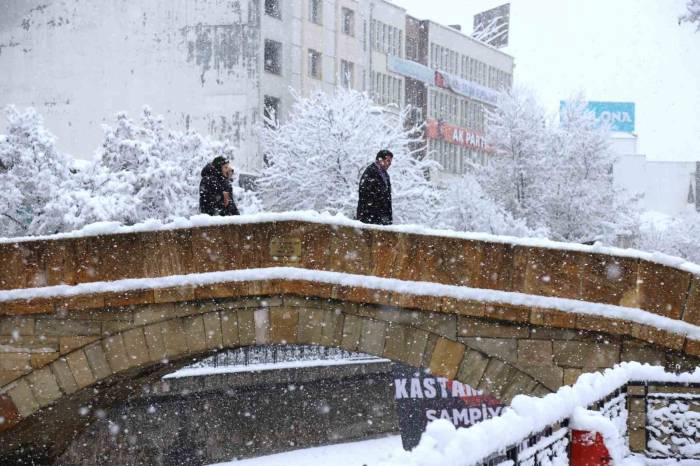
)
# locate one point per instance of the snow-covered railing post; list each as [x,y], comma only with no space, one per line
[637,422]
[665,417]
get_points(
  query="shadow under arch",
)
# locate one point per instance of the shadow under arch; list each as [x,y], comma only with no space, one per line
[109,370]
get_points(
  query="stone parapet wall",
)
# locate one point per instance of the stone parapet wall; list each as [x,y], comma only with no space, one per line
[586,276]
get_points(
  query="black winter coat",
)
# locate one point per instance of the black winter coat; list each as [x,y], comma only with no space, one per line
[211,193]
[374,203]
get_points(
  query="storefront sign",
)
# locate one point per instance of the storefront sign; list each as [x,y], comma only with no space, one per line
[439,130]
[429,76]
[421,398]
[466,88]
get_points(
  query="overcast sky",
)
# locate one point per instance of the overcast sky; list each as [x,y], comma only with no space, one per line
[617,50]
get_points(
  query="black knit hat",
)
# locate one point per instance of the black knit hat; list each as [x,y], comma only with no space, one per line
[219,162]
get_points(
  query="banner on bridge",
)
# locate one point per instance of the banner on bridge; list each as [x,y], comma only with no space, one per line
[421,398]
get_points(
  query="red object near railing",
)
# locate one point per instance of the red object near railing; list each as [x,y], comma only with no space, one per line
[588,449]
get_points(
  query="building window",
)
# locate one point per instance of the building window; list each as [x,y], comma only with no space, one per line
[272,8]
[314,64]
[387,39]
[316,11]
[271,111]
[273,56]
[347,73]
[348,22]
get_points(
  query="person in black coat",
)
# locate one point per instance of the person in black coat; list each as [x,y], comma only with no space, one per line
[215,190]
[374,203]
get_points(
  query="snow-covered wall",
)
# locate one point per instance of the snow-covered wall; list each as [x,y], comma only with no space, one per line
[77,62]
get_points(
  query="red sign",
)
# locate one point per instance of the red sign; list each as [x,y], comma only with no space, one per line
[456,135]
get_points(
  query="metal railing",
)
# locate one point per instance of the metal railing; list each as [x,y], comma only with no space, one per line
[671,423]
[274,354]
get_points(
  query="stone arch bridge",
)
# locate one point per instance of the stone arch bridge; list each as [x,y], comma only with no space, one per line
[87,320]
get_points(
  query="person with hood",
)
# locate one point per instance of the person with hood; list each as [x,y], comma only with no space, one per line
[374,200]
[215,190]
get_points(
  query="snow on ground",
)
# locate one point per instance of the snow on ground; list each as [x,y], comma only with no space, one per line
[200,371]
[364,453]
[654,220]
[105,228]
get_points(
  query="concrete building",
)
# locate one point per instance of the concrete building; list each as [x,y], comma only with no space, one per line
[469,76]
[668,187]
[309,45]
[452,80]
[663,186]
[218,67]
[78,63]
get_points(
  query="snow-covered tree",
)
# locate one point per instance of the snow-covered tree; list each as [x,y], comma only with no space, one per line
[158,169]
[556,177]
[31,173]
[317,156]
[142,171]
[467,207]
[513,175]
[692,14]
[579,200]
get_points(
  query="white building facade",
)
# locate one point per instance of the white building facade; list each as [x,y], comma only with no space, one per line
[667,187]
[220,67]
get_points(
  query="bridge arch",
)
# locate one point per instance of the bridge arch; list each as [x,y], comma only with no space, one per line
[52,404]
[503,316]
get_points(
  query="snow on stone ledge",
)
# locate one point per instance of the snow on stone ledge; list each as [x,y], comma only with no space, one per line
[364,281]
[443,444]
[110,228]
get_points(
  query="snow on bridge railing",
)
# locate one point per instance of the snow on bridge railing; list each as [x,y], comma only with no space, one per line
[112,228]
[537,431]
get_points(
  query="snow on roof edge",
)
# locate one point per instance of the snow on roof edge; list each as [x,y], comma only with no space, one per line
[111,228]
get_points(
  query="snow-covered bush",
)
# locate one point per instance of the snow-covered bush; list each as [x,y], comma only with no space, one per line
[680,236]
[157,168]
[148,171]
[316,157]
[692,14]
[92,194]
[32,172]
[142,171]
[467,207]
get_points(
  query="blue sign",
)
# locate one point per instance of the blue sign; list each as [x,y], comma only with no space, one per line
[619,115]
[411,69]
[467,88]
[454,83]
